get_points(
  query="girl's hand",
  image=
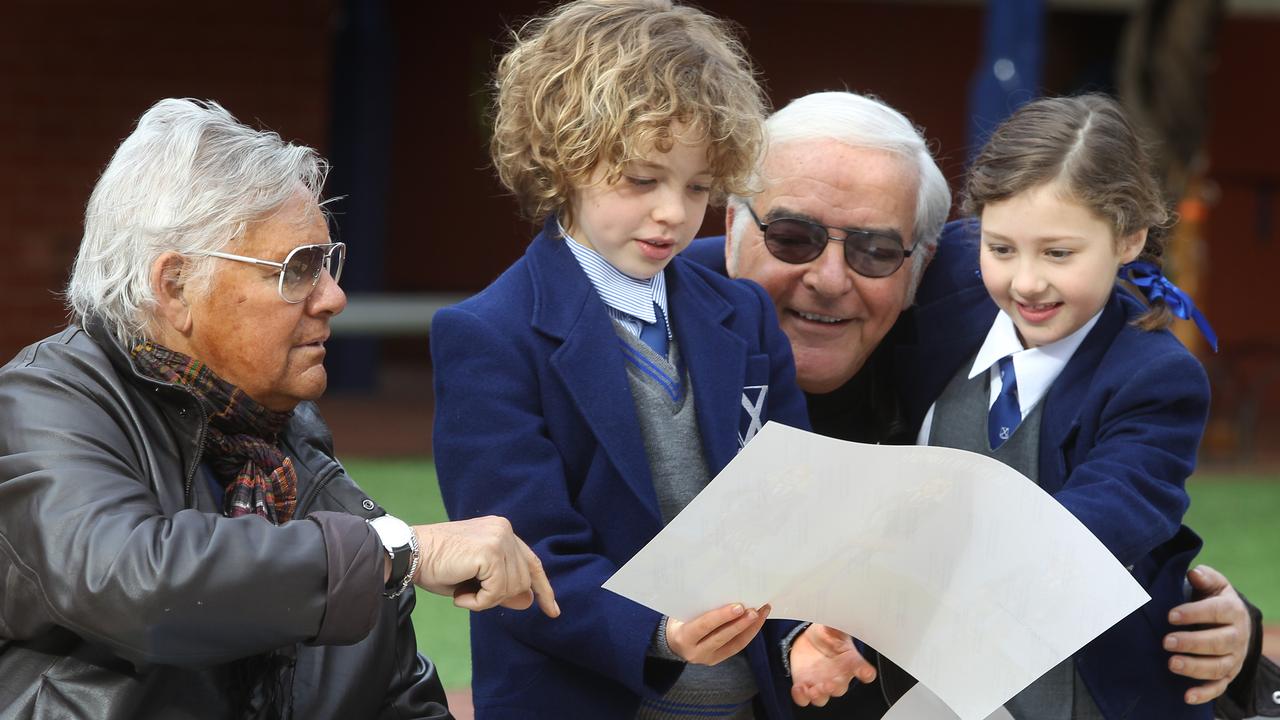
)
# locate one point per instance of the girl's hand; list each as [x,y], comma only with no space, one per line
[717,635]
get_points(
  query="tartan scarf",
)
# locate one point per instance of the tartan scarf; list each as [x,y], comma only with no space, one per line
[240,444]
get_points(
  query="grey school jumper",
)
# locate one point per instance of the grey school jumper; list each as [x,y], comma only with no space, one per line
[960,421]
[664,405]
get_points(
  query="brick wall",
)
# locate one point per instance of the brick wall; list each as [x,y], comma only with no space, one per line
[452,227]
[74,77]
[75,74]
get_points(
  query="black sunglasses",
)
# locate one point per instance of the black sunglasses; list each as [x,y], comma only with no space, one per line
[870,253]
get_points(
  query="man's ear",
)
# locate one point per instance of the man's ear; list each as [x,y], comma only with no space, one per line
[729,264]
[1131,246]
[929,253]
[169,275]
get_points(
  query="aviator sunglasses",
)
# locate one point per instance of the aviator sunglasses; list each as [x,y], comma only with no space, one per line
[870,253]
[300,271]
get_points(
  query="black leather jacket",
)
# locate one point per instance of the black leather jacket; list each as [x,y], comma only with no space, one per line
[125,593]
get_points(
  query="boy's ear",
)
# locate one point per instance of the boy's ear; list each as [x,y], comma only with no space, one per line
[1131,246]
[169,274]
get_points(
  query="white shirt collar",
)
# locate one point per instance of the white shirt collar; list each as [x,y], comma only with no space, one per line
[1036,368]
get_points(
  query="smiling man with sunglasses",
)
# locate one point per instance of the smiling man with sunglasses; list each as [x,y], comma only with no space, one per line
[827,238]
[850,211]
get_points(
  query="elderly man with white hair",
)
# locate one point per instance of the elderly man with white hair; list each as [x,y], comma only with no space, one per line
[850,212]
[176,537]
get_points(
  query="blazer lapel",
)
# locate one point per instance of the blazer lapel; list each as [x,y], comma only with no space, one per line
[1062,404]
[566,307]
[716,359]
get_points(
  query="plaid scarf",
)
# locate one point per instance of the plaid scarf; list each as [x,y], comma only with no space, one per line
[240,444]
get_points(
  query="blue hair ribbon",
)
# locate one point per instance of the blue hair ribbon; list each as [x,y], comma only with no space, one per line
[1155,286]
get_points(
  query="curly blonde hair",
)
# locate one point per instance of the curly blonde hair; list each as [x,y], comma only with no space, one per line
[600,83]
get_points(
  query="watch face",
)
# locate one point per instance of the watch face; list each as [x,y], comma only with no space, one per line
[392,531]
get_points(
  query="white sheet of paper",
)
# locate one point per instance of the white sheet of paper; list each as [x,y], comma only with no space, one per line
[956,567]
[920,704]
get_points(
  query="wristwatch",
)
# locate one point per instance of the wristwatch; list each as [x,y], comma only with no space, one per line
[401,544]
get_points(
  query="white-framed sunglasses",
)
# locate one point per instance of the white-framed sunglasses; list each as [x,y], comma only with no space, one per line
[300,271]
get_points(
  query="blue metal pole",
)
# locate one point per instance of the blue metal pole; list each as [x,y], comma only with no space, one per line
[363,99]
[1008,75]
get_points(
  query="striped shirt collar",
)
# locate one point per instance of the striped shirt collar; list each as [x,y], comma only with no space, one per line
[618,290]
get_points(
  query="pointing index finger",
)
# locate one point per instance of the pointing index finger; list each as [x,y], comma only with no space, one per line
[540,584]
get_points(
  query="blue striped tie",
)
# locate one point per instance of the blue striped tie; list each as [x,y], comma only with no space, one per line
[654,334]
[1005,413]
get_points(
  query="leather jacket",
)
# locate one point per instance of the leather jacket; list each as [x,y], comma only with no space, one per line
[124,591]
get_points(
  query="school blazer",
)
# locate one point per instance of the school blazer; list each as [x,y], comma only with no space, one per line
[1118,440]
[535,422]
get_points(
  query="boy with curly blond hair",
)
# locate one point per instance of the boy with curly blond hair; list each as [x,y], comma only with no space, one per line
[594,388]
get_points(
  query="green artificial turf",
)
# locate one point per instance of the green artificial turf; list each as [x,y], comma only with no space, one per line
[1238,516]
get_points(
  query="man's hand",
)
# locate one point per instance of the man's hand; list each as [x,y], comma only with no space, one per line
[716,635]
[1216,652]
[823,663]
[481,563]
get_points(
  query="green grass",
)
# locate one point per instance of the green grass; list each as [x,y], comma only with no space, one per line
[408,489]
[1238,516]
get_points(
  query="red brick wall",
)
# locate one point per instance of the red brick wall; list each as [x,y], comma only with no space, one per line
[1244,154]
[75,74]
[454,229]
[74,77]
[1242,230]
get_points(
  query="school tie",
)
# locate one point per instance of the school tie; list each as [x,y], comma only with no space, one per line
[654,334]
[1005,413]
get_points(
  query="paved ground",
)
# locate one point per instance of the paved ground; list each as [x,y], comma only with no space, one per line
[396,421]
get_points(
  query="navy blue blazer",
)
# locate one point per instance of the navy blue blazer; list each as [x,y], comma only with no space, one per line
[709,253]
[535,422]
[1118,439]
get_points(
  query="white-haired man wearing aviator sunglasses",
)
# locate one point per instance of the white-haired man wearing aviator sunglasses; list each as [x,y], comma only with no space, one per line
[850,212]
[176,537]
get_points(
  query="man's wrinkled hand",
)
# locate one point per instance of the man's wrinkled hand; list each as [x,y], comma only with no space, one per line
[824,661]
[482,564]
[1217,651]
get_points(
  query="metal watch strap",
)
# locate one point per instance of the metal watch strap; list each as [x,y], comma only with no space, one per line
[401,544]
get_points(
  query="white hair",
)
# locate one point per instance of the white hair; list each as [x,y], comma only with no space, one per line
[861,121]
[189,179]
